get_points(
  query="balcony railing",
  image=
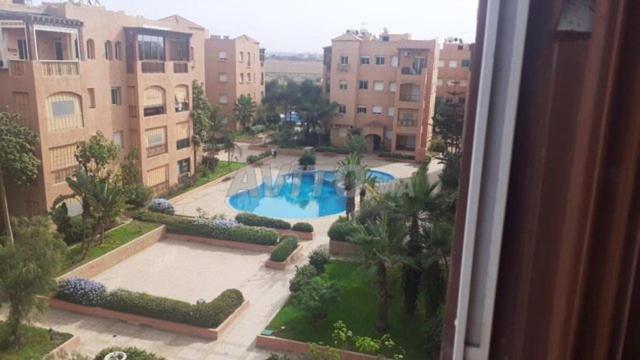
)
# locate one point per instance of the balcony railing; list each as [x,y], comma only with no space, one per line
[407,122]
[17,68]
[343,67]
[410,97]
[60,68]
[153,67]
[180,67]
[156,150]
[407,70]
[60,175]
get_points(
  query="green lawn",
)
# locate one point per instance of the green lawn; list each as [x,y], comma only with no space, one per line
[113,239]
[243,136]
[36,343]
[357,308]
[223,168]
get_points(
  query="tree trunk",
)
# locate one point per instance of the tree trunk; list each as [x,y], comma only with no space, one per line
[13,322]
[5,209]
[195,159]
[410,274]
[363,194]
[382,323]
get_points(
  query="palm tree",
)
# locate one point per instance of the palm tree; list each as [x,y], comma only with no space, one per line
[244,110]
[381,246]
[369,184]
[436,238]
[230,146]
[352,175]
[107,203]
[81,184]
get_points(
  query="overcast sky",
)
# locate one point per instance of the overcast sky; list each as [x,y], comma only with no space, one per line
[307,26]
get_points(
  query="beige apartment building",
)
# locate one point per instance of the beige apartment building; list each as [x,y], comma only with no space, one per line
[385,87]
[454,71]
[74,69]
[233,67]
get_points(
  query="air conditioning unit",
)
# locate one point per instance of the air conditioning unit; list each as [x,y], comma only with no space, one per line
[4,64]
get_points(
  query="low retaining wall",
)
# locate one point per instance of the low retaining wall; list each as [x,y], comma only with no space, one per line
[343,248]
[281,265]
[291,346]
[305,236]
[223,243]
[65,349]
[185,329]
[115,256]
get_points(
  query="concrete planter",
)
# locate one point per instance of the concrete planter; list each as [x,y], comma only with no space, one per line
[282,265]
[291,346]
[185,329]
[65,349]
[305,236]
[343,248]
[223,243]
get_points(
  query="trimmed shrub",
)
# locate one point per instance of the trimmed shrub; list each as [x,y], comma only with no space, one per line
[303,274]
[254,235]
[255,158]
[394,155]
[137,195]
[257,220]
[288,244]
[82,291]
[133,353]
[307,159]
[162,206]
[315,296]
[331,149]
[342,230]
[302,227]
[319,258]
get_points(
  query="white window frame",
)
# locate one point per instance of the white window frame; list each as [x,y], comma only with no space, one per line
[377,110]
[378,85]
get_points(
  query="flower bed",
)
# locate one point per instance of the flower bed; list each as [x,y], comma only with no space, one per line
[284,254]
[303,230]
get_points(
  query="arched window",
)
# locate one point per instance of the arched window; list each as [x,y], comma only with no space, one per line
[64,111]
[118,50]
[108,50]
[154,101]
[181,98]
[91,49]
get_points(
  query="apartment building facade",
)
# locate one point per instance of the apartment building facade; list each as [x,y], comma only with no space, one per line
[385,87]
[72,70]
[233,67]
[454,71]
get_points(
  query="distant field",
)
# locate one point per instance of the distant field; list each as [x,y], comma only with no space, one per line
[297,70]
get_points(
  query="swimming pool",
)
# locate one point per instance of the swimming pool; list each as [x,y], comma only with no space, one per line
[299,195]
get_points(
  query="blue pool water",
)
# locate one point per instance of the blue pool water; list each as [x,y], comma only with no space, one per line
[300,195]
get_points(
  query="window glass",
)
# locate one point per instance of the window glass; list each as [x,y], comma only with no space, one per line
[62,108]
[379,60]
[364,60]
[151,47]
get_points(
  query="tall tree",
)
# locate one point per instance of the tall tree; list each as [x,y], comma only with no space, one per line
[352,175]
[244,111]
[27,269]
[97,156]
[201,115]
[436,238]
[448,120]
[356,145]
[18,162]
[230,146]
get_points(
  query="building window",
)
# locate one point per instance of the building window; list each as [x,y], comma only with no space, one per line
[248,58]
[92,97]
[342,84]
[181,98]
[158,178]
[376,110]
[391,111]
[223,99]
[379,60]
[154,101]
[440,63]
[179,50]
[466,63]
[394,61]
[241,59]
[378,85]
[364,60]
[63,162]
[118,50]
[91,49]
[183,143]
[182,134]
[22,49]
[452,82]
[344,60]
[453,64]
[342,109]
[248,77]
[156,141]
[150,47]
[241,78]
[392,86]
[118,138]
[116,96]
[222,77]
[222,56]
[108,50]
[361,109]
[64,111]
[21,102]
[363,84]
[184,167]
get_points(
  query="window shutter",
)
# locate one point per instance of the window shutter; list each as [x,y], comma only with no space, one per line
[63,157]
[154,96]
[157,176]
[182,130]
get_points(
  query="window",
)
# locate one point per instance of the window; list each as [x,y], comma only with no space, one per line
[223,99]
[118,138]
[392,86]
[391,111]
[76,49]
[343,85]
[361,109]
[241,78]
[342,132]
[118,50]
[222,77]
[466,63]
[394,61]
[248,77]
[64,111]
[452,82]
[461,100]
[116,96]
[63,162]
[182,134]
[376,110]
[150,47]
[21,102]
[380,60]
[108,50]
[363,84]
[184,167]
[364,60]
[179,50]
[183,143]
[181,98]
[91,49]
[342,109]
[154,101]
[440,82]
[158,177]
[440,63]
[92,98]
[344,60]
[378,85]
[22,49]
[453,64]
[248,58]
[222,56]
[156,141]
[241,59]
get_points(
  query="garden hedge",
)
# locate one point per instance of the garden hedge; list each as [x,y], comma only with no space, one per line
[330,149]
[255,158]
[342,230]
[187,226]
[393,155]
[288,244]
[302,227]
[257,220]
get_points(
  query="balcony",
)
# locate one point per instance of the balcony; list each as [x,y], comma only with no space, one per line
[411,97]
[408,70]
[410,123]
[343,67]
[156,150]
[60,175]
[52,68]
[152,67]
[180,67]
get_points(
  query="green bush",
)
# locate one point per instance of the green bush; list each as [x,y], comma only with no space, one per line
[302,227]
[319,258]
[288,244]
[303,274]
[393,155]
[133,353]
[315,296]
[307,159]
[342,230]
[255,158]
[330,149]
[257,220]
[248,234]
[437,145]
[137,195]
